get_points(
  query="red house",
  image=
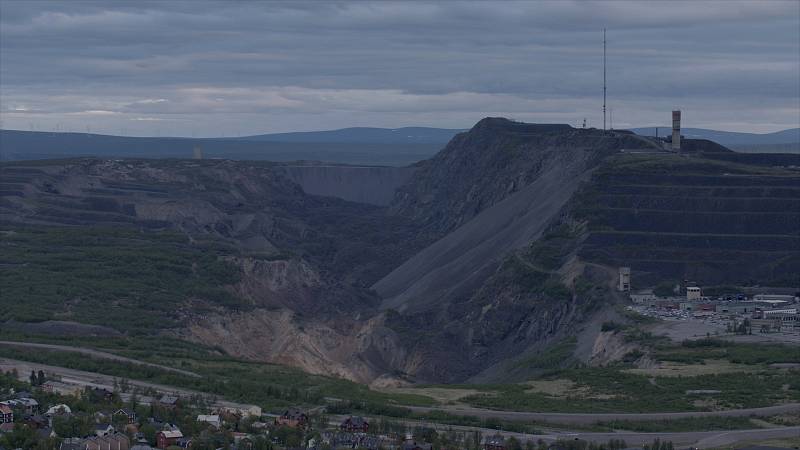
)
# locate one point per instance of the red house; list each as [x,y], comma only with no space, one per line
[355,424]
[166,438]
[6,414]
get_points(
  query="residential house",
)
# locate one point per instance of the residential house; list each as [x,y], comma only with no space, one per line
[26,405]
[411,444]
[100,394]
[103,429]
[495,442]
[57,387]
[128,414]
[6,413]
[168,401]
[166,438]
[293,418]
[355,424]
[244,411]
[211,419]
[71,444]
[141,446]
[116,441]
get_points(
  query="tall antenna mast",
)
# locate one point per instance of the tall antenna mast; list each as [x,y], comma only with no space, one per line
[604,79]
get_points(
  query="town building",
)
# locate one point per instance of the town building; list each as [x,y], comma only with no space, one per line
[293,418]
[409,443]
[775,298]
[495,442]
[168,401]
[58,387]
[211,419]
[6,413]
[355,424]
[116,441]
[128,414]
[167,438]
[624,284]
[103,429]
[643,297]
[693,293]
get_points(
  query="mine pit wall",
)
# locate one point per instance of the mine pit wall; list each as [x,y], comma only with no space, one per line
[363,184]
[712,229]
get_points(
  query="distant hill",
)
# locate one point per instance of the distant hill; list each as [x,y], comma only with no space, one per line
[27,145]
[361,145]
[365,135]
[779,141]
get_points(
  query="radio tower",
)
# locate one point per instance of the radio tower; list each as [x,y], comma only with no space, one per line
[604,79]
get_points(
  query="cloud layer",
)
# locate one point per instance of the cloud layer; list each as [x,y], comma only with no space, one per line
[211,69]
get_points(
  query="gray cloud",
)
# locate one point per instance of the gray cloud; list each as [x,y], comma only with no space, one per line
[213,68]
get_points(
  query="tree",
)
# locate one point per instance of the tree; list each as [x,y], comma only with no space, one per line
[40,377]
[20,437]
[32,378]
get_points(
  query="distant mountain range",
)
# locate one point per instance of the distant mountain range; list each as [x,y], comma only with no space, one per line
[365,135]
[779,141]
[361,145]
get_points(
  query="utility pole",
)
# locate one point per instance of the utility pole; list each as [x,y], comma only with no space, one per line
[604,79]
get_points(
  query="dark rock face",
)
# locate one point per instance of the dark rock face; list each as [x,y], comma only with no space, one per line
[492,161]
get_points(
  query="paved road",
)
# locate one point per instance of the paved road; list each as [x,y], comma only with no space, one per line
[589,418]
[92,379]
[98,354]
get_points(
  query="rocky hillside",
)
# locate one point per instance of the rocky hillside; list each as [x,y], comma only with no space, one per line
[197,249]
[465,266]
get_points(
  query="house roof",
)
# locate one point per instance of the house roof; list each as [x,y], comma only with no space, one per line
[168,400]
[5,409]
[103,426]
[169,434]
[294,413]
[497,439]
[125,411]
[356,420]
[71,444]
[141,447]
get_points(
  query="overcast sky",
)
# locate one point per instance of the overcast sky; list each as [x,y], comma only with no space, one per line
[204,68]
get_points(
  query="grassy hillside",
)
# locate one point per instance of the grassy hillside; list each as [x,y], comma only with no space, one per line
[132,281]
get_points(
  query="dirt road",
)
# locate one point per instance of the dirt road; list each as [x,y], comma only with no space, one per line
[91,379]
